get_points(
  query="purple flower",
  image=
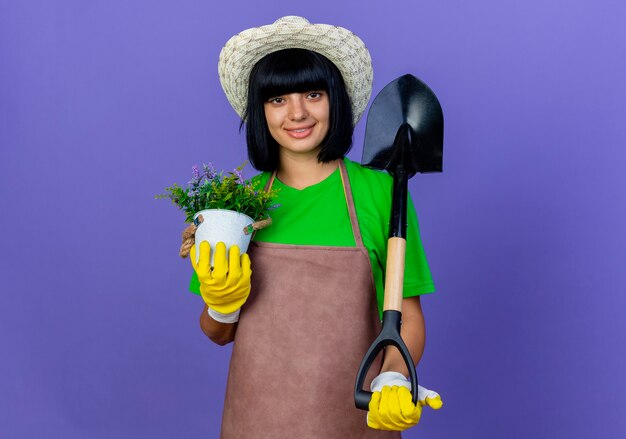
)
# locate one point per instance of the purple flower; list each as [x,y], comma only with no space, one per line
[239,175]
[195,172]
[209,170]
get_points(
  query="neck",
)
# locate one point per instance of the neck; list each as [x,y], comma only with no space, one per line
[299,172]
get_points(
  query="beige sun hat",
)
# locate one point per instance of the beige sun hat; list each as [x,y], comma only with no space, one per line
[339,45]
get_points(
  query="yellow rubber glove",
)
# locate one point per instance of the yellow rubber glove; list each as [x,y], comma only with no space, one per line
[392,409]
[429,398]
[391,406]
[226,287]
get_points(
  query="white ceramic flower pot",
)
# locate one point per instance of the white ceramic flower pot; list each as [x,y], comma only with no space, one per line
[225,226]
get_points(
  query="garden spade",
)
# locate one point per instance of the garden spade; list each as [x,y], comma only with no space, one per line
[404,135]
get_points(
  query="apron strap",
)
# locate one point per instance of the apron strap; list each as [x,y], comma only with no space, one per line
[270,182]
[347,190]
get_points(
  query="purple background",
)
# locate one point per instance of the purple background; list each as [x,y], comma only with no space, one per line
[104,103]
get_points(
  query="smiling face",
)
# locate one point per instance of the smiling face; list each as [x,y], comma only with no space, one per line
[298,122]
[297,102]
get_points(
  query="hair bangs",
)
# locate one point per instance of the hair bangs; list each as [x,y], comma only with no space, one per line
[292,71]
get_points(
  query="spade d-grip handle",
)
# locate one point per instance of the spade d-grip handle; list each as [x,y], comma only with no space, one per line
[392,321]
[390,335]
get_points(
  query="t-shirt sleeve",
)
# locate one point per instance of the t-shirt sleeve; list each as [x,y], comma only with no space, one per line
[417,277]
[194,283]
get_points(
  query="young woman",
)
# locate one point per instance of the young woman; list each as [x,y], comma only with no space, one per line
[312,306]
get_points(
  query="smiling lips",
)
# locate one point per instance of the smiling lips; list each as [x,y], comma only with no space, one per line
[300,133]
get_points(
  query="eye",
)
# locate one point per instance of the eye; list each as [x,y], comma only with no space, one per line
[314,95]
[276,100]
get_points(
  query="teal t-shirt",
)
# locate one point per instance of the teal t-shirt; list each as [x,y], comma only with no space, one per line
[318,215]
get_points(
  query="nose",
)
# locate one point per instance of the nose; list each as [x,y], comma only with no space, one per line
[297,107]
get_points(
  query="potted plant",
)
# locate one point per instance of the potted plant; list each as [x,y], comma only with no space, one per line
[222,207]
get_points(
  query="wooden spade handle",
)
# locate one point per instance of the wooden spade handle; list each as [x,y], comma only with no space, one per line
[394,275]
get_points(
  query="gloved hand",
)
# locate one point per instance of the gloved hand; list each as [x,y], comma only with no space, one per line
[226,287]
[391,406]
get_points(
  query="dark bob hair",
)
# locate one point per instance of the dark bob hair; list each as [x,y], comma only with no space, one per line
[295,71]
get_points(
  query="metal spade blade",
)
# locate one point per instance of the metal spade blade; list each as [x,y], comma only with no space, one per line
[405,101]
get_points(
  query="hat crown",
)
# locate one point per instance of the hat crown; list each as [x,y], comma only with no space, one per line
[292,19]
